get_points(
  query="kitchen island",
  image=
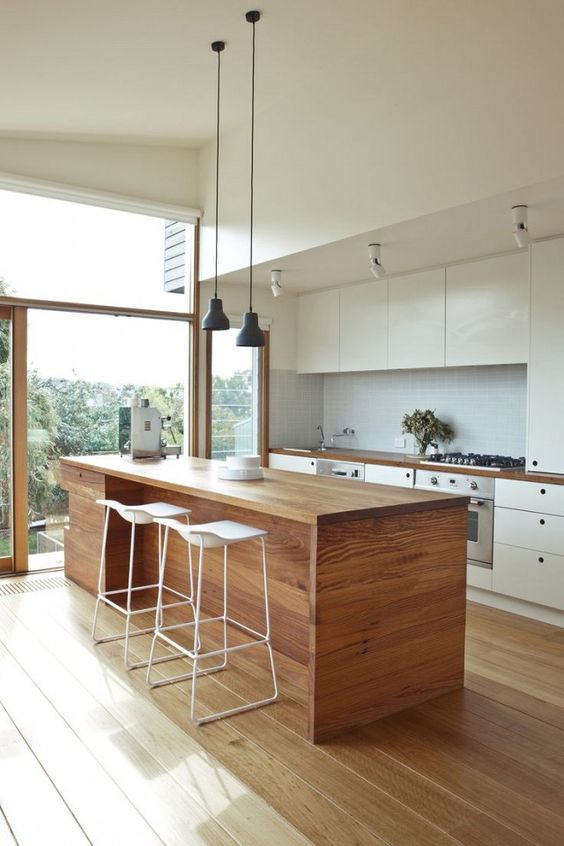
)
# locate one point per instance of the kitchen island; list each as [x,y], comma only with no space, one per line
[367,582]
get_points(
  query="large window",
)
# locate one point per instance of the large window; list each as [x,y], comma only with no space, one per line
[67,252]
[71,273]
[81,369]
[236,391]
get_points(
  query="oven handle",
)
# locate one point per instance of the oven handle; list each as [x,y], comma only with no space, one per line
[477,502]
[339,472]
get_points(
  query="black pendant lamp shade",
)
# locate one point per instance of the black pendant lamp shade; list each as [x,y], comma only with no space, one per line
[251,335]
[216,319]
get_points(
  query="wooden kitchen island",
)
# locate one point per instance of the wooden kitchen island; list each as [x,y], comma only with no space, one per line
[367,582]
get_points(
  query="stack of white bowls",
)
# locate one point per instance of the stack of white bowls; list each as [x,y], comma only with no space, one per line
[241,468]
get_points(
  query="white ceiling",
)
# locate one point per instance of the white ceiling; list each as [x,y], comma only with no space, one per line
[466,232]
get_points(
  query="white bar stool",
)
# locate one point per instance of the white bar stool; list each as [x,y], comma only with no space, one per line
[223,533]
[138,515]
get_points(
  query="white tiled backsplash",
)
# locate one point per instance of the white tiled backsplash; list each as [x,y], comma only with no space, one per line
[486,406]
[296,408]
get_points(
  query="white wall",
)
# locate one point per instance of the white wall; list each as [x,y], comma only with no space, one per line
[167,175]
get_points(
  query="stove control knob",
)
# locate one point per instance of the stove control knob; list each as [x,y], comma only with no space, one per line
[473,485]
[434,480]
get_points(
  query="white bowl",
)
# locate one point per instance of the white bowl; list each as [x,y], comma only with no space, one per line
[243,462]
[239,474]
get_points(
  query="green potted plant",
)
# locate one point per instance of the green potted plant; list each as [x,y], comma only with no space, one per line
[426,428]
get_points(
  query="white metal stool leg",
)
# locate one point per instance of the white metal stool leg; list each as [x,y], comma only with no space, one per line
[204,536]
[147,513]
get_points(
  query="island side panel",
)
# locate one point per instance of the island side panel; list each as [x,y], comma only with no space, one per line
[288,547]
[83,537]
[388,610]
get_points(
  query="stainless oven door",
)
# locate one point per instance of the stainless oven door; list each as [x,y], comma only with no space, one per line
[480,532]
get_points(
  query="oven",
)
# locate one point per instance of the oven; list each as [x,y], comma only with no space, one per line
[480,510]
[339,469]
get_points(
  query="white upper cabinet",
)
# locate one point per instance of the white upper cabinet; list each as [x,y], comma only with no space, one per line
[417,320]
[364,326]
[546,368]
[487,311]
[318,332]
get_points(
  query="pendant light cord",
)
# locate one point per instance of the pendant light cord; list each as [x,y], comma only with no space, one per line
[252,171]
[217,166]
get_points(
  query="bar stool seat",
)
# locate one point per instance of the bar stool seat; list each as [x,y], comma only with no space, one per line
[222,533]
[137,515]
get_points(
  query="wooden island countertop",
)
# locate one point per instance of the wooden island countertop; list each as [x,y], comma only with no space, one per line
[293,496]
[367,582]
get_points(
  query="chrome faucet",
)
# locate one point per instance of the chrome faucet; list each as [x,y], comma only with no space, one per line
[346,433]
[322,446]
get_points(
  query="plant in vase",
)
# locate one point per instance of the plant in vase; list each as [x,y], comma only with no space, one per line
[426,428]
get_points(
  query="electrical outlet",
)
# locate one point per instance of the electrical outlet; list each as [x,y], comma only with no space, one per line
[399,443]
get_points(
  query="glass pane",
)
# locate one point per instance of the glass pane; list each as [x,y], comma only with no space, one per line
[473,526]
[82,368]
[5,444]
[235,397]
[92,255]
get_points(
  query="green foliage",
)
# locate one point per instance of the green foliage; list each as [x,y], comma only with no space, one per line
[427,429]
[231,404]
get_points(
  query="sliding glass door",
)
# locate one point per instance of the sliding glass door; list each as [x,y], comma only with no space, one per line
[81,368]
[6,454]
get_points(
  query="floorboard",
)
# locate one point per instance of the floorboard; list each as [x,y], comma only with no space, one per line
[481,767]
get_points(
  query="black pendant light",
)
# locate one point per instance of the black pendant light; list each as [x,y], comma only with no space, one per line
[216,319]
[251,334]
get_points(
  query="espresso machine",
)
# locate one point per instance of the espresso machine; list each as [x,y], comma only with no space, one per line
[140,432]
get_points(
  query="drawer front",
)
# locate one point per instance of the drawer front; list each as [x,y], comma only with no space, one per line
[530,496]
[295,463]
[86,483]
[379,475]
[529,574]
[480,577]
[529,530]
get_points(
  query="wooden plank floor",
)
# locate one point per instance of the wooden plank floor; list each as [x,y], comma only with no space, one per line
[89,754]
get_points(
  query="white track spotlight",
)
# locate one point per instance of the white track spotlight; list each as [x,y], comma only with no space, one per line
[276,283]
[376,266]
[520,216]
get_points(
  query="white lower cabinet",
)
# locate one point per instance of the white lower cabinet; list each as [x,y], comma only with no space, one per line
[480,577]
[529,574]
[528,558]
[295,463]
[529,529]
[380,474]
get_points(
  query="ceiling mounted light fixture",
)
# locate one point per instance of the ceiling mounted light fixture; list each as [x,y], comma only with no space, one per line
[375,262]
[216,319]
[276,283]
[520,216]
[251,335]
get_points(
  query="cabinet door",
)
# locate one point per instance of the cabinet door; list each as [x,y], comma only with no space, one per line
[529,530]
[417,320]
[487,311]
[364,326]
[295,463]
[318,332]
[530,496]
[379,474]
[529,574]
[545,450]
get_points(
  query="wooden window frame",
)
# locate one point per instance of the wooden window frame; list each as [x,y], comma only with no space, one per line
[264,396]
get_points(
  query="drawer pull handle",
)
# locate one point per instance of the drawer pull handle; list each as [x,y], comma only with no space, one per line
[541,521]
[543,491]
[408,475]
[541,560]
[535,463]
